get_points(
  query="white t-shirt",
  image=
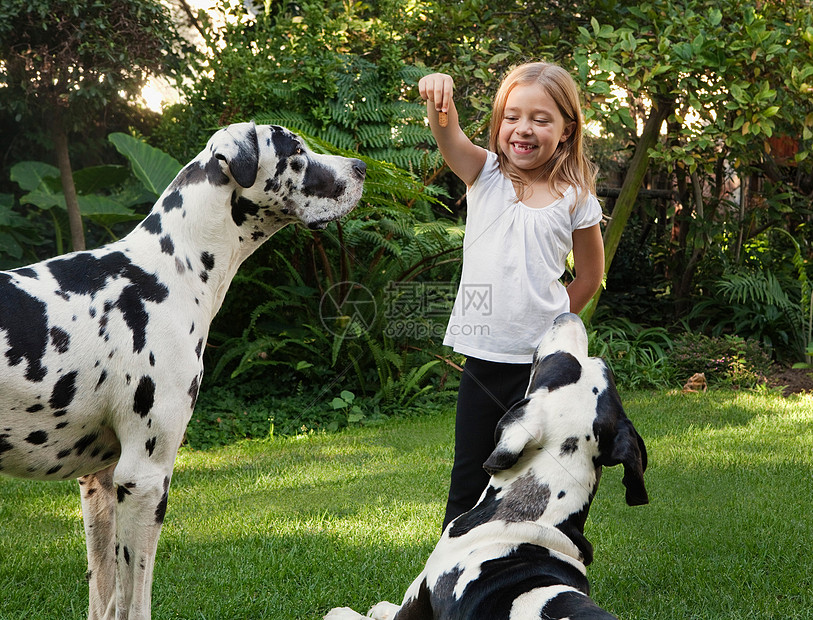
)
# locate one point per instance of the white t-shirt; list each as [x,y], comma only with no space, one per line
[513,257]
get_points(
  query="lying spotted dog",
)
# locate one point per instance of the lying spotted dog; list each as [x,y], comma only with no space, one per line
[100,351]
[521,553]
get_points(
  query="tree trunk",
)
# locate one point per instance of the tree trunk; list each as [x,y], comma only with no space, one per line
[629,190]
[60,137]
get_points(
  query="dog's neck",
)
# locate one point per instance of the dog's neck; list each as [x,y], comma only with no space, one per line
[544,498]
[206,248]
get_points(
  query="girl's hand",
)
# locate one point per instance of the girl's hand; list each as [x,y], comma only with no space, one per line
[463,157]
[437,88]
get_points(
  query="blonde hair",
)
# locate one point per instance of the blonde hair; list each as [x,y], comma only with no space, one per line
[569,165]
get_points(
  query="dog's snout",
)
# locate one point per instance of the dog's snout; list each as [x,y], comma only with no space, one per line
[359,168]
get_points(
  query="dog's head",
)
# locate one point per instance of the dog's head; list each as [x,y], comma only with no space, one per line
[278,179]
[572,409]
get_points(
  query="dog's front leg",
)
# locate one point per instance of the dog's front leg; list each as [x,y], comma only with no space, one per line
[99,515]
[141,503]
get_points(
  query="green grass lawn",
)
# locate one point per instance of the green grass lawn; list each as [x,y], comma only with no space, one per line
[287,528]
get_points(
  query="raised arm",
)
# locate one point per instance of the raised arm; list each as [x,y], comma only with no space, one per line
[465,158]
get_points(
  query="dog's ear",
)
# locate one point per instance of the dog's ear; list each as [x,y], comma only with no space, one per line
[237,145]
[511,436]
[620,443]
[629,450]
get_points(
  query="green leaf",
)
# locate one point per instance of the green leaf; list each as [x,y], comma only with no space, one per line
[95,178]
[338,403]
[348,397]
[154,168]
[29,175]
[96,204]
[715,17]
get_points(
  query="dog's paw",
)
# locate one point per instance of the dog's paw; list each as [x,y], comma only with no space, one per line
[343,613]
[383,611]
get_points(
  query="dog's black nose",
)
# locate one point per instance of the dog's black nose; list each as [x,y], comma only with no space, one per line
[359,168]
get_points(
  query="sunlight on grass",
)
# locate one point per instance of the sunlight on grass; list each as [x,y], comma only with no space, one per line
[287,528]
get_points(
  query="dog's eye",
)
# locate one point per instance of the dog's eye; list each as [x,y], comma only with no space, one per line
[298,151]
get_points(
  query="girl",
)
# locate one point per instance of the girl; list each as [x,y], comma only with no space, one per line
[530,202]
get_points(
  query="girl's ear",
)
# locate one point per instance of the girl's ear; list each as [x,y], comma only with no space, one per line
[568,131]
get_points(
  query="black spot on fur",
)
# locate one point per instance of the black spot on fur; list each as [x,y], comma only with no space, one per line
[60,340]
[150,446]
[53,470]
[285,145]
[144,396]
[82,445]
[569,446]
[199,348]
[573,528]
[85,274]
[126,555]
[574,605]
[173,200]
[555,371]
[167,247]
[272,185]
[215,174]
[192,173]
[242,208]
[24,320]
[64,391]
[152,223]
[26,272]
[102,377]
[5,446]
[525,500]
[208,260]
[161,509]
[321,181]
[37,438]
[35,408]
[121,493]
[480,514]
[193,391]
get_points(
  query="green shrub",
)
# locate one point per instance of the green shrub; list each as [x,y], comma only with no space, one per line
[637,355]
[726,360]
[276,406]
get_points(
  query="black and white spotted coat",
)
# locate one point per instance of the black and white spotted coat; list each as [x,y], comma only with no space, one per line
[521,553]
[101,351]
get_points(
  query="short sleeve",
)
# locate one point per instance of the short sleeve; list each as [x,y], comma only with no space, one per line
[586,214]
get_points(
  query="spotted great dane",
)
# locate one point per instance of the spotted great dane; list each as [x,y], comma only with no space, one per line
[521,553]
[101,351]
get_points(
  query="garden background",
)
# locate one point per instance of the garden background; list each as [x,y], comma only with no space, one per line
[700,116]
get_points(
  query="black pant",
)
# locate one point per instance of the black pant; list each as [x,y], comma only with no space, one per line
[487,390]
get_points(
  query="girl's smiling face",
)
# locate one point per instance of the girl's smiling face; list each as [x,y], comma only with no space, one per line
[532,128]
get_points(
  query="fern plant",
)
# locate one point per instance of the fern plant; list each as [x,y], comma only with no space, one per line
[754,304]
